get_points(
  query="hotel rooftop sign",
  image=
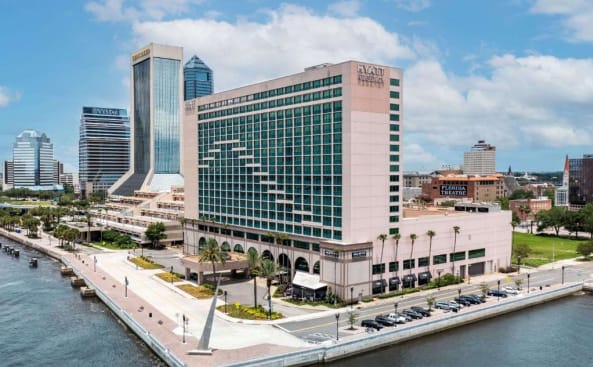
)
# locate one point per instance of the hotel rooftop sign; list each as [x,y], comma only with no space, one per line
[140,54]
[370,74]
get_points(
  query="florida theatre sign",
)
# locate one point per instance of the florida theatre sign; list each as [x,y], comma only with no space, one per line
[453,190]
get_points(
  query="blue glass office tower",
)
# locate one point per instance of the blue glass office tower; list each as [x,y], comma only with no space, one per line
[156,90]
[197,79]
[33,161]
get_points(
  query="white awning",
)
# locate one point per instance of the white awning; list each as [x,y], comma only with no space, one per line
[306,280]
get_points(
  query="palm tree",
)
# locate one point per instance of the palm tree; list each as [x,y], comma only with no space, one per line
[382,237]
[396,237]
[254,261]
[269,270]
[455,233]
[413,238]
[89,221]
[430,233]
[212,253]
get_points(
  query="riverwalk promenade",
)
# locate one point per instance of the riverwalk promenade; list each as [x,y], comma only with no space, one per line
[153,309]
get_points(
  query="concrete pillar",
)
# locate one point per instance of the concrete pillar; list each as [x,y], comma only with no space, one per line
[201,277]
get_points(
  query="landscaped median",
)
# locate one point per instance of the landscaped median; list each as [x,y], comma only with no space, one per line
[145,263]
[243,312]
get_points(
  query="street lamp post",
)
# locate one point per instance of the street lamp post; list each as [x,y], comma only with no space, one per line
[171,274]
[395,306]
[225,294]
[184,321]
[459,296]
[519,264]
[528,276]
[562,274]
[126,286]
[351,297]
[498,294]
[337,326]
[95,264]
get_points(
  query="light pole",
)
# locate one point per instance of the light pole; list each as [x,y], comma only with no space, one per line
[528,276]
[439,278]
[171,274]
[518,264]
[562,274]
[459,294]
[95,264]
[395,306]
[184,321]
[498,294]
[126,286]
[351,297]
[337,326]
[225,294]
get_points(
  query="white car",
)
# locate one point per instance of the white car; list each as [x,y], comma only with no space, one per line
[510,290]
[397,318]
[455,304]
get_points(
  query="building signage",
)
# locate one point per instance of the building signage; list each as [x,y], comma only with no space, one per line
[141,54]
[370,74]
[453,190]
[104,111]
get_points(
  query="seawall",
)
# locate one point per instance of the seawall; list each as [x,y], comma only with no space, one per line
[383,339]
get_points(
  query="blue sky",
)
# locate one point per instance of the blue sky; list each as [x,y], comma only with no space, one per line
[517,73]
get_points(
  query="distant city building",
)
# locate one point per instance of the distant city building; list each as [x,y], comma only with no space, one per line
[57,172]
[156,100]
[103,148]
[526,209]
[561,196]
[197,79]
[580,181]
[8,176]
[33,161]
[416,179]
[71,179]
[459,187]
[480,160]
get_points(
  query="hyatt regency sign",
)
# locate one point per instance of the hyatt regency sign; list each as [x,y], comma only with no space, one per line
[370,74]
[453,190]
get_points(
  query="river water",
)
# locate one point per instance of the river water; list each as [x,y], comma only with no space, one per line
[45,322]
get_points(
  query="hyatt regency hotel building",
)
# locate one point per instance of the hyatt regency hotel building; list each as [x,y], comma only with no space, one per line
[312,156]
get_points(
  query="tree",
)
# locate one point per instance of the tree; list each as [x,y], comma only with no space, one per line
[211,253]
[352,317]
[430,302]
[518,282]
[484,289]
[455,233]
[554,218]
[522,194]
[396,237]
[413,238]
[514,224]
[550,194]
[382,237]
[155,233]
[254,261]
[573,221]
[587,211]
[269,270]
[430,233]
[521,249]
[585,249]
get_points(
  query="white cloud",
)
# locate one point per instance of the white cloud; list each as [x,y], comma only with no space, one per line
[290,39]
[413,5]
[577,16]
[346,8]
[416,156]
[528,101]
[7,97]
[126,10]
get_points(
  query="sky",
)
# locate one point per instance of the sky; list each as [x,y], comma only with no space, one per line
[516,73]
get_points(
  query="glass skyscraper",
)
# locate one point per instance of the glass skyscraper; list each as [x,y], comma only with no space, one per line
[103,147]
[156,121]
[33,160]
[197,79]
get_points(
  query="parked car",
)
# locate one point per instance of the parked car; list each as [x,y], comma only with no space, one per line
[497,293]
[398,318]
[371,324]
[471,300]
[476,298]
[510,290]
[421,310]
[442,305]
[413,314]
[463,301]
[456,305]
[384,320]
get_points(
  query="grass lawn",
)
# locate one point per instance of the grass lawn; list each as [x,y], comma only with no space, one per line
[169,277]
[200,292]
[109,245]
[145,264]
[542,248]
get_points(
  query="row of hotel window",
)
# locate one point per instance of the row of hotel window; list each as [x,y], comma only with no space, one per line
[276,92]
[288,228]
[423,261]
